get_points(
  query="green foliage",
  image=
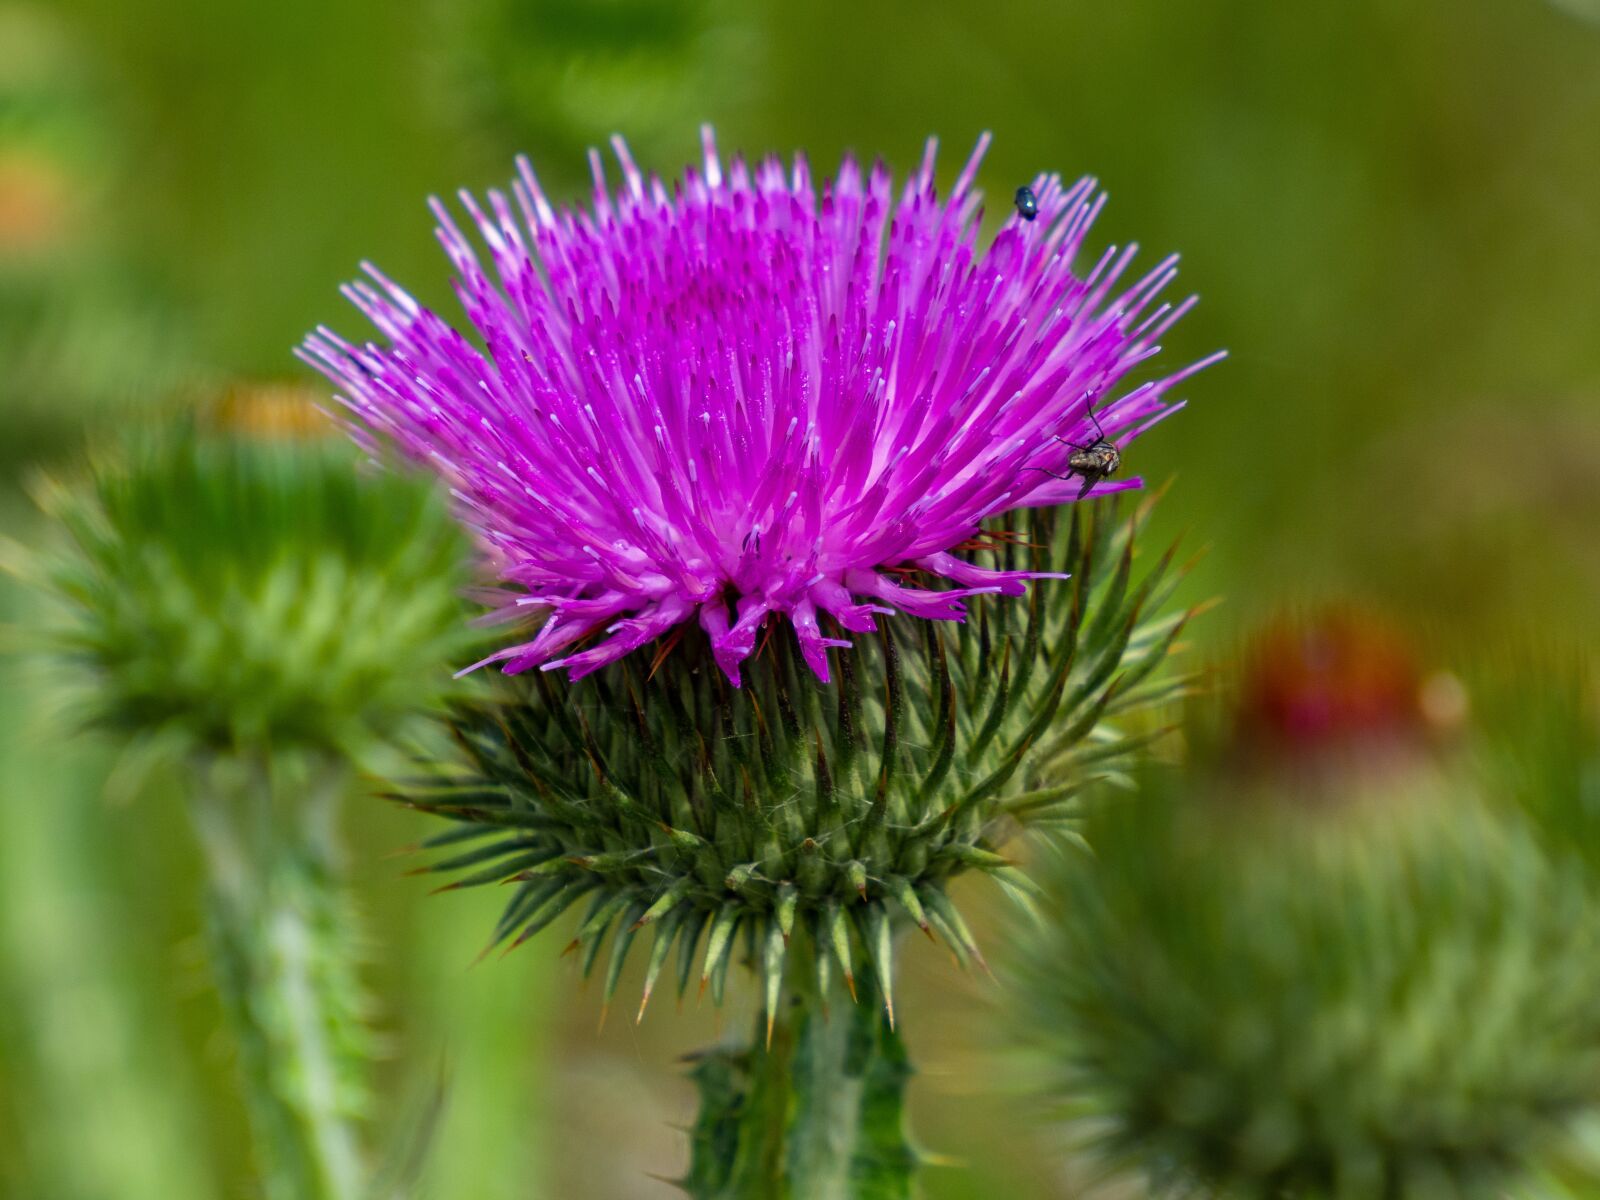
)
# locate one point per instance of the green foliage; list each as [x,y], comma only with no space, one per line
[234,594]
[283,943]
[789,809]
[82,332]
[564,75]
[1275,991]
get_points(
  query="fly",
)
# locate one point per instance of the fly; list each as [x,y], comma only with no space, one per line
[1092,463]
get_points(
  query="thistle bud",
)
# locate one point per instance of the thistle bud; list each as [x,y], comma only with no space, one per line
[1392,995]
[232,595]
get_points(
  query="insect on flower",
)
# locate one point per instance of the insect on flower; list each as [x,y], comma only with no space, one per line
[1027,203]
[1092,462]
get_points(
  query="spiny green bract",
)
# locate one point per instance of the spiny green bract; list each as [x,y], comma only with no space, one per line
[665,797]
[232,594]
[1389,995]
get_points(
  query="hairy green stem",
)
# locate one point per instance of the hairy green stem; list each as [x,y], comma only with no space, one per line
[282,945]
[817,1113]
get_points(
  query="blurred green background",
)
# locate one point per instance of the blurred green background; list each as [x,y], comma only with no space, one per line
[1392,212]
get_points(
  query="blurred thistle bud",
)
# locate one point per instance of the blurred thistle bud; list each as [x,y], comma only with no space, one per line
[253,596]
[256,609]
[1388,997]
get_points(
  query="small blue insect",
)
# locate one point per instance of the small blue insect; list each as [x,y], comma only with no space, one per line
[1027,203]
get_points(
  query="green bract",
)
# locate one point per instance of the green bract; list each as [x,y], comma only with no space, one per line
[250,594]
[1289,993]
[718,818]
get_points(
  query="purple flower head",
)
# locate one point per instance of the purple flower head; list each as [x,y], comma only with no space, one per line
[750,394]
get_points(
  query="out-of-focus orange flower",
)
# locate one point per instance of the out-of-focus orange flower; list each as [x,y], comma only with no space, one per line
[1342,686]
[271,411]
[1339,676]
[33,203]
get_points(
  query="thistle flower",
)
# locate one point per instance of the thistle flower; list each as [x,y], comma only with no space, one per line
[1261,987]
[707,413]
[741,398]
[741,404]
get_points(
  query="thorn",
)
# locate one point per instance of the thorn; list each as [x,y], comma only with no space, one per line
[571,946]
[666,649]
[524,936]
[769,1031]
[644,1002]
[923,925]
[766,636]
[449,887]
[888,1005]
[850,982]
[605,1011]
[407,874]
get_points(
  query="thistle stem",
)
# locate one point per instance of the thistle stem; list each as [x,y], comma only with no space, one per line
[819,1114]
[281,940]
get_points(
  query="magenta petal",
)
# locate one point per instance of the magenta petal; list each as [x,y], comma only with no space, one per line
[734,646]
[755,389]
[919,602]
[813,646]
[1007,583]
